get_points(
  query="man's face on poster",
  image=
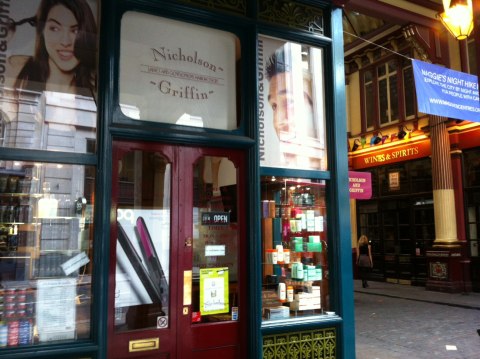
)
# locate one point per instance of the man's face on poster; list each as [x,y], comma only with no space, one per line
[292,106]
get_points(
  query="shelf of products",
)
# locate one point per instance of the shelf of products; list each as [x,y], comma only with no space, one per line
[44,252]
[295,268]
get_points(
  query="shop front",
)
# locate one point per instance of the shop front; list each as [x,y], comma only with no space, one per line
[399,218]
[172,180]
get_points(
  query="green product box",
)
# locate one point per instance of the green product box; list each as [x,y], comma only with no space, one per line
[314,247]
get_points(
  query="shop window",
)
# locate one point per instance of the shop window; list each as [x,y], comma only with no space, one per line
[291,104]
[294,246]
[46,237]
[178,73]
[388,92]
[48,98]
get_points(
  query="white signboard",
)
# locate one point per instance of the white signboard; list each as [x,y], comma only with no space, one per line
[176,72]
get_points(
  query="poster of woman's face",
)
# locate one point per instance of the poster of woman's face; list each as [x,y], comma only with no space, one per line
[291,105]
[48,45]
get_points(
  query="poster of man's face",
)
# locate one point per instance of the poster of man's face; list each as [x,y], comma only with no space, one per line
[291,105]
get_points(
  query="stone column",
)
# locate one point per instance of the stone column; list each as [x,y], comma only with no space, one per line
[447,267]
[443,192]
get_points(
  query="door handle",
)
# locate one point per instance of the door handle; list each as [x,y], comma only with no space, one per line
[188,241]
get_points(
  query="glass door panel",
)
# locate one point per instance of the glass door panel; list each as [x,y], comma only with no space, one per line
[142,290]
[215,241]
[143,247]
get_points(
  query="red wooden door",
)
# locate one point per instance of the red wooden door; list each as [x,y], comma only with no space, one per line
[177,278]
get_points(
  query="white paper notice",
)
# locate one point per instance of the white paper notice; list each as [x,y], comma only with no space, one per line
[56,309]
[214,250]
[75,263]
[213,294]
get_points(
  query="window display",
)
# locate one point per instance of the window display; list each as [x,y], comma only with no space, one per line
[294,237]
[46,232]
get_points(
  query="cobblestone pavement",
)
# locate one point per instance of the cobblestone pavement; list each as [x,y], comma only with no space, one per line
[396,321]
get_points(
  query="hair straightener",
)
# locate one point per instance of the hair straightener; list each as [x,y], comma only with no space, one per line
[152,260]
[148,269]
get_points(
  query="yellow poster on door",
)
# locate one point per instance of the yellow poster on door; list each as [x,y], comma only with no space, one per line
[214,290]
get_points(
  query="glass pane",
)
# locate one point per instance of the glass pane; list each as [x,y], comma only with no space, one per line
[382,70]
[368,76]
[294,245]
[369,105]
[392,67]
[178,73]
[143,247]
[472,214]
[473,231]
[393,96]
[383,101]
[291,104]
[47,100]
[46,234]
[215,241]
[409,91]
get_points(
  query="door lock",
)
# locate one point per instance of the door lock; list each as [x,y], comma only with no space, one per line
[185,310]
[188,242]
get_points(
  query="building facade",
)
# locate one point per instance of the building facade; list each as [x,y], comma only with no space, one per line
[173,179]
[421,219]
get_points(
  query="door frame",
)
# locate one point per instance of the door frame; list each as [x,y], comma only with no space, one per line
[201,338]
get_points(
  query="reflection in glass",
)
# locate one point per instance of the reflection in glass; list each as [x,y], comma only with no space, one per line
[143,247]
[46,235]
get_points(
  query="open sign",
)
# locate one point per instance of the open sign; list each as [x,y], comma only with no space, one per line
[215,218]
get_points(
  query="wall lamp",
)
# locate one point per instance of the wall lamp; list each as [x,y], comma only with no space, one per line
[376,139]
[457,17]
[356,144]
[402,133]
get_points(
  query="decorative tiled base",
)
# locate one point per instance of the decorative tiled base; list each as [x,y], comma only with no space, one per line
[312,344]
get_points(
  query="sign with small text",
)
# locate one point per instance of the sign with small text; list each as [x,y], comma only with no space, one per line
[360,185]
[444,92]
[215,218]
[390,155]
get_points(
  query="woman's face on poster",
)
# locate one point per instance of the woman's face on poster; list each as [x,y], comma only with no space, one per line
[60,32]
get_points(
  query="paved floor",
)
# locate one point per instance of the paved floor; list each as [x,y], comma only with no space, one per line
[396,321]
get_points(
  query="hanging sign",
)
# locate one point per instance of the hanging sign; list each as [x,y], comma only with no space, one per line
[444,92]
[215,218]
[360,185]
[213,290]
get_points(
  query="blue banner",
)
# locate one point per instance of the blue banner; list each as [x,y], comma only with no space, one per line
[445,92]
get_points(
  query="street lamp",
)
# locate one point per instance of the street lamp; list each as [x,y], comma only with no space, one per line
[457,17]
